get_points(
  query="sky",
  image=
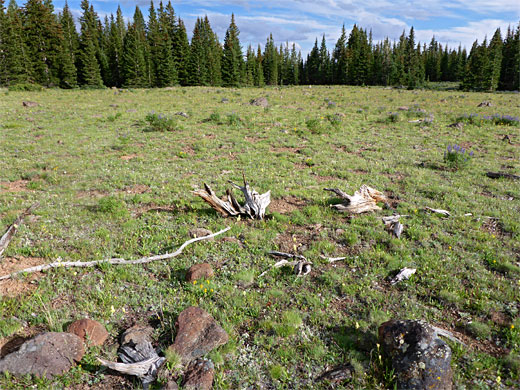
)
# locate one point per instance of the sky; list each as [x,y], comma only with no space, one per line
[452,22]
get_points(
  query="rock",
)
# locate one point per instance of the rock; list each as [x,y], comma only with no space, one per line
[337,374]
[199,375]
[224,100]
[137,334]
[485,104]
[114,105]
[170,385]
[420,359]
[201,232]
[403,108]
[47,354]
[30,104]
[457,125]
[90,331]
[331,104]
[232,240]
[261,101]
[183,114]
[197,334]
[131,110]
[199,272]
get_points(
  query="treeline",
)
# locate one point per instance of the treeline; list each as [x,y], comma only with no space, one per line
[39,46]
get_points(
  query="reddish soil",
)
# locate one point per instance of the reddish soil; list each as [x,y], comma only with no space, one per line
[14,186]
[16,286]
[286,205]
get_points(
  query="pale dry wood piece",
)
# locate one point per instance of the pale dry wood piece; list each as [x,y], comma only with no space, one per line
[301,267]
[254,207]
[363,200]
[439,211]
[116,261]
[393,225]
[287,255]
[447,334]
[497,175]
[403,274]
[145,370]
[9,234]
[332,259]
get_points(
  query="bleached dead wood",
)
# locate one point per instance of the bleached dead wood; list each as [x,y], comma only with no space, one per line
[363,200]
[393,225]
[403,274]
[9,234]
[301,267]
[116,261]
[439,211]
[447,334]
[254,207]
[332,259]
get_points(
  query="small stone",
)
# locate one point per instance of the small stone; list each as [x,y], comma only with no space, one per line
[197,334]
[170,385]
[261,101]
[114,105]
[420,359]
[137,334]
[30,104]
[90,331]
[403,108]
[232,240]
[485,104]
[199,375]
[131,110]
[224,100]
[199,272]
[183,114]
[201,232]
[47,354]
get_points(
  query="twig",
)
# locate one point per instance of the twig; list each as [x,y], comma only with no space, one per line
[9,234]
[287,255]
[116,261]
[332,259]
[447,334]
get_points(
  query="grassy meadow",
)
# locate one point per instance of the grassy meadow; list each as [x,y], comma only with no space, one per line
[111,186]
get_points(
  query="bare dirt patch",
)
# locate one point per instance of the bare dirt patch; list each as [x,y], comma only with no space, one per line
[285,149]
[129,157]
[286,205]
[146,208]
[18,286]
[92,194]
[14,186]
[298,240]
[137,189]
[494,226]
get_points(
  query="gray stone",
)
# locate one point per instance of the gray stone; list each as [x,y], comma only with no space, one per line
[419,358]
[201,232]
[261,101]
[47,354]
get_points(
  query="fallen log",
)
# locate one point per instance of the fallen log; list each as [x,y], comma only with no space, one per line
[364,200]
[9,234]
[254,207]
[498,175]
[116,261]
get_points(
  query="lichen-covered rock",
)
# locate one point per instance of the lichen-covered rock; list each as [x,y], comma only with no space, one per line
[47,354]
[199,375]
[199,272]
[419,358]
[197,334]
[261,101]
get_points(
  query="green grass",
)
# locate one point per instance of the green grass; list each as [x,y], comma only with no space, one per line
[110,187]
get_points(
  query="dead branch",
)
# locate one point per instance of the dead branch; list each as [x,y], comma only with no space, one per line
[447,334]
[116,261]
[254,207]
[403,274]
[393,225]
[332,259]
[287,255]
[301,267]
[444,213]
[363,200]
[498,175]
[9,234]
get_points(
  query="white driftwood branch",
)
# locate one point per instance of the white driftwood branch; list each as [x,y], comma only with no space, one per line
[139,369]
[444,213]
[447,334]
[403,274]
[393,225]
[332,259]
[9,234]
[116,261]
[254,207]
[301,267]
[363,200]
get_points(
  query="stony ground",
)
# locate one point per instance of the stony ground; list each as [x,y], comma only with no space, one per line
[111,185]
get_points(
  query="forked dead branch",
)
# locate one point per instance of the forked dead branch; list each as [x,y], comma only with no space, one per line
[254,207]
[11,230]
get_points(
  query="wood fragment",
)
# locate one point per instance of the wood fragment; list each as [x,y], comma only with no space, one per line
[9,234]
[254,207]
[332,259]
[447,334]
[364,200]
[439,211]
[287,255]
[498,175]
[116,261]
[301,266]
[393,225]
[403,274]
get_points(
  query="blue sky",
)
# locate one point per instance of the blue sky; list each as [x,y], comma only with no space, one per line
[301,21]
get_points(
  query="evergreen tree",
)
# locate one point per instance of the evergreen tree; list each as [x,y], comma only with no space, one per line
[259,73]
[232,60]
[312,66]
[358,57]
[135,57]
[510,69]
[413,65]
[495,61]
[44,41]
[68,71]
[114,51]
[270,62]
[165,71]
[324,69]
[339,59]
[213,52]
[181,53]
[87,63]
[198,65]
[476,68]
